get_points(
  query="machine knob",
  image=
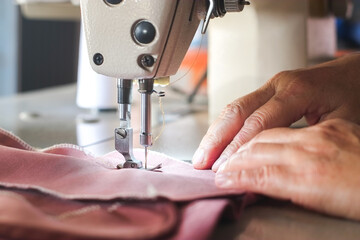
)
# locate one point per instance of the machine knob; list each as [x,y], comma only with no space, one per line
[144,32]
[235,5]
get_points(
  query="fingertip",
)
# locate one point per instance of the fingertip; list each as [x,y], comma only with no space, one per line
[201,159]
[218,163]
[198,158]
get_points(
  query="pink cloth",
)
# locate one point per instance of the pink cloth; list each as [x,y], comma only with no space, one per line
[64,193]
[30,215]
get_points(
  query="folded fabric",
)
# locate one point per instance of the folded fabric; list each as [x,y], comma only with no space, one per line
[63,192]
[30,215]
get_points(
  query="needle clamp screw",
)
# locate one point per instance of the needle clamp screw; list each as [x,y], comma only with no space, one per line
[147,61]
[121,132]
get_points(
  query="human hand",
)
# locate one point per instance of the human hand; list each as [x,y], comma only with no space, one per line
[317,167]
[319,93]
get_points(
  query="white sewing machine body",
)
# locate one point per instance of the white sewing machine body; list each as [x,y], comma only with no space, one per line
[123,34]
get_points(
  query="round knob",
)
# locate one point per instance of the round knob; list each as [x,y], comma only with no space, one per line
[235,5]
[144,32]
[114,2]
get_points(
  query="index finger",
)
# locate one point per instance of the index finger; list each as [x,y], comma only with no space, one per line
[228,124]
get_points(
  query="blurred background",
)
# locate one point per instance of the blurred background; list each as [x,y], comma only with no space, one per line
[36,52]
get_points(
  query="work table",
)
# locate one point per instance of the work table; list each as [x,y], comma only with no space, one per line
[48,117]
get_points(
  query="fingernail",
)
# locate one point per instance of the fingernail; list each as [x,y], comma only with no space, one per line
[224,180]
[198,157]
[218,163]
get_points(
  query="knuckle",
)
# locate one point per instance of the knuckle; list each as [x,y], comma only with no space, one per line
[281,99]
[336,125]
[234,145]
[325,142]
[329,129]
[211,139]
[231,148]
[280,76]
[331,123]
[318,167]
[260,177]
[257,121]
[245,135]
[293,83]
[324,132]
[232,110]
[341,131]
[242,138]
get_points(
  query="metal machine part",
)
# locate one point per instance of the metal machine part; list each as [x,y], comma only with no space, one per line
[124,134]
[124,145]
[218,8]
[124,100]
[146,88]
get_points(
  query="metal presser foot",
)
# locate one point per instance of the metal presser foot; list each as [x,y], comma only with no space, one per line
[123,144]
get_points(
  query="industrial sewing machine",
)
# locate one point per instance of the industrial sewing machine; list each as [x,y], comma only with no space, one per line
[143,40]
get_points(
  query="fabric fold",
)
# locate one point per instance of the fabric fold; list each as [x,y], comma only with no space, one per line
[63,192]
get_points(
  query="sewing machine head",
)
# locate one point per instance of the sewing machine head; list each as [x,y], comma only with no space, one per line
[138,39]
[145,40]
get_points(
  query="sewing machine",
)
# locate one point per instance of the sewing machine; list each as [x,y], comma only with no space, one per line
[143,40]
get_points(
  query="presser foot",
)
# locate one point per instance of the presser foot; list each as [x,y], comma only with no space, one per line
[128,164]
[124,145]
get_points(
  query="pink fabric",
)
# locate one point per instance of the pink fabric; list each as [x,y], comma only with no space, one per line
[29,215]
[69,182]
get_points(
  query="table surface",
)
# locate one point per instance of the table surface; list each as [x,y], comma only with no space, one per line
[47,117]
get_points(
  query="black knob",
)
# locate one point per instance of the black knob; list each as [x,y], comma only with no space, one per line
[144,32]
[113,2]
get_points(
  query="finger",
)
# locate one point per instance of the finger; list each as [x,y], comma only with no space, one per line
[287,183]
[279,135]
[228,124]
[265,154]
[341,113]
[276,135]
[277,112]
[274,181]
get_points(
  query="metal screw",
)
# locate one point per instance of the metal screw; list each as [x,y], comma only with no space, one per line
[98,59]
[147,61]
[121,132]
